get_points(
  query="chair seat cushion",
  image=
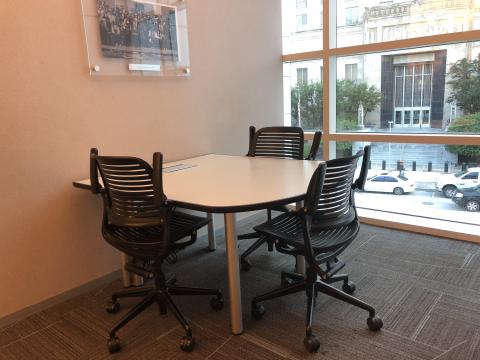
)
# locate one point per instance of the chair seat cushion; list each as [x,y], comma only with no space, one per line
[288,229]
[145,242]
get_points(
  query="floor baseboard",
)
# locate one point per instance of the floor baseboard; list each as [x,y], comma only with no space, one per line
[57,299]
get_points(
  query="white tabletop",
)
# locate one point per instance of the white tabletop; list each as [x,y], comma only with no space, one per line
[223,183]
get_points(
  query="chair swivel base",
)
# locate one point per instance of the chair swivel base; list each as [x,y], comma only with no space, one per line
[290,277]
[311,342]
[163,297]
[348,287]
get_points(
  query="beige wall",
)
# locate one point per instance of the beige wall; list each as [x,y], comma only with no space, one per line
[52,112]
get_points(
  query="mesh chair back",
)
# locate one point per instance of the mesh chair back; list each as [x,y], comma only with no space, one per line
[133,194]
[277,142]
[334,204]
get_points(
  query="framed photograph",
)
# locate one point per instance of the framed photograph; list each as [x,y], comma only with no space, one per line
[136,37]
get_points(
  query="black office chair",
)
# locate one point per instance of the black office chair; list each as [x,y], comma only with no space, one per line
[138,221]
[320,231]
[283,142]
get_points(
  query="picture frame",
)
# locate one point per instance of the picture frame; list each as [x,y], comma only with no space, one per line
[136,37]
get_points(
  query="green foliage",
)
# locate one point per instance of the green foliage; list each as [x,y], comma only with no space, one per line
[307,103]
[465,85]
[466,124]
[351,94]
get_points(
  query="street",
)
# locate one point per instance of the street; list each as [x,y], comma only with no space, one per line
[427,203]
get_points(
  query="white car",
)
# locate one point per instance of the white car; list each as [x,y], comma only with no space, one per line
[389,183]
[448,183]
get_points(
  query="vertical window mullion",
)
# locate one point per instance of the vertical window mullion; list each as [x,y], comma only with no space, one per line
[403,94]
[330,76]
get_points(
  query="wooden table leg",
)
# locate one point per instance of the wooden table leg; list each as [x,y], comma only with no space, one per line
[233,275]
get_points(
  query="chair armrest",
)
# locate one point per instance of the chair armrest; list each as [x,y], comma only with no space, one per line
[251,135]
[362,178]
[317,138]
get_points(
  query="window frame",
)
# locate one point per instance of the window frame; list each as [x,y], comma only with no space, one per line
[330,53]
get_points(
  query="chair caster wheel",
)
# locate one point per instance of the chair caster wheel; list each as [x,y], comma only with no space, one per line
[216,304]
[113,307]
[312,344]
[349,287]
[257,311]
[245,265]
[187,343]
[374,323]
[113,345]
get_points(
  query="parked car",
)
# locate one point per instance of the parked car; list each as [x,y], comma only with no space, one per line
[448,183]
[469,199]
[390,183]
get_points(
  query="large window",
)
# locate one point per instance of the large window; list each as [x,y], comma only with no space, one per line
[403,76]
[424,184]
[398,20]
[302,28]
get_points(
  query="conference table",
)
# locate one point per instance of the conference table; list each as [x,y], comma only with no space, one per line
[229,185]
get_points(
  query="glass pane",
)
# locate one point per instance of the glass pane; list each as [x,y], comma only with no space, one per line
[364,22]
[427,90]
[399,91]
[426,177]
[398,117]
[302,26]
[416,117]
[303,104]
[408,91]
[407,118]
[417,90]
[435,88]
[425,117]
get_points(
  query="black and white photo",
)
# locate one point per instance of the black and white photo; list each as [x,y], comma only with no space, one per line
[136,29]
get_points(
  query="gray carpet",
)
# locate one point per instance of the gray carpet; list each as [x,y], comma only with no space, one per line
[427,290]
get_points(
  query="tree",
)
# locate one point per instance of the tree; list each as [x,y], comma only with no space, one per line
[466,124]
[351,94]
[307,103]
[465,85]
[465,88]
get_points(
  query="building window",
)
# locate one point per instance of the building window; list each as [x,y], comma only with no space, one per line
[413,94]
[372,35]
[352,15]
[301,4]
[351,72]
[321,74]
[301,22]
[302,76]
